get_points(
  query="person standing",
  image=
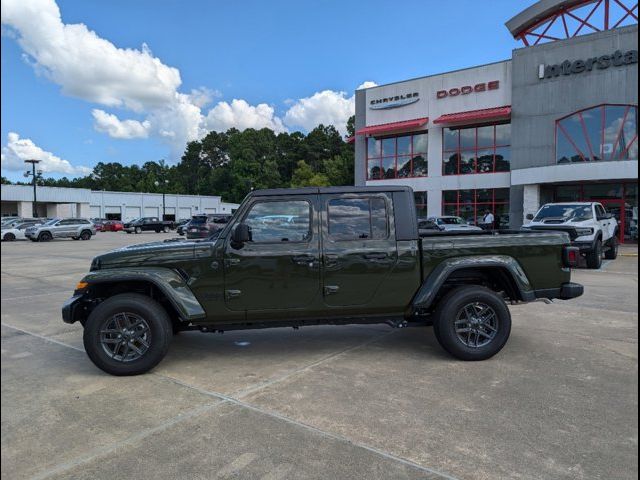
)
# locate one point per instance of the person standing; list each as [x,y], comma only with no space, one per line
[488,220]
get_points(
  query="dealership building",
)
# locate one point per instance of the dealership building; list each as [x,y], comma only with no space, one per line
[555,123]
[79,202]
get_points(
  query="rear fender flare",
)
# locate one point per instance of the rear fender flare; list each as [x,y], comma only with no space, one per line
[168,281]
[431,286]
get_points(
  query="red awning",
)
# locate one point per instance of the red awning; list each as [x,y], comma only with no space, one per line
[475,116]
[392,127]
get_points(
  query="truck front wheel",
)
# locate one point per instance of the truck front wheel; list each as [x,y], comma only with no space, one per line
[594,257]
[127,334]
[472,323]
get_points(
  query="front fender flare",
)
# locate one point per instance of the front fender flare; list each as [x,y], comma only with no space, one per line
[427,292]
[168,281]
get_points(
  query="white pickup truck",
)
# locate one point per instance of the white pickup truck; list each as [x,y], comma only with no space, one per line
[591,228]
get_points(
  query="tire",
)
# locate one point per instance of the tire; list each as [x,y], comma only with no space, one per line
[166,229]
[612,251]
[85,235]
[450,316]
[138,230]
[158,335]
[158,230]
[45,237]
[9,237]
[594,258]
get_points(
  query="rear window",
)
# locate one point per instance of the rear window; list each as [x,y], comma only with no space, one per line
[198,221]
[358,219]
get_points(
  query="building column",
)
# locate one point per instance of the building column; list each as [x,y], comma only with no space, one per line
[25,209]
[530,202]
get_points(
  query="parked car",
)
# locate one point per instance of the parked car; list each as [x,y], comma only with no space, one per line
[354,255]
[13,231]
[202,226]
[6,220]
[74,228]
[591,228]
[447,224]
[112,226]
[98,223]
[182,225]
[148,224]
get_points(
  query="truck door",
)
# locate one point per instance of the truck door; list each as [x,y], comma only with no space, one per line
[359,247]
[279,269]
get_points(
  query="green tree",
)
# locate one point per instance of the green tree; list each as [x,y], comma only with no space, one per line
[304,176]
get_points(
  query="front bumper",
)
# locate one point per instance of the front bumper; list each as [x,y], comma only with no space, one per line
[584,246]
[71,309]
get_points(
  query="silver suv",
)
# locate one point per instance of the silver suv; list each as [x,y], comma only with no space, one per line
[75,228]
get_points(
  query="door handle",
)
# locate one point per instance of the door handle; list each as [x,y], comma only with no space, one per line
[330,290]
[330,260]
[233,294]
[375,256]
[228,262]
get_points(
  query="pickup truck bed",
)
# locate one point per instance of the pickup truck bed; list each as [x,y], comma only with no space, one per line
[312,256]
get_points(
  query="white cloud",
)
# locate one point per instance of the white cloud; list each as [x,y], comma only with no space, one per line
[327,107]
[116,128]
[19,149]
[367,84]
[241,115]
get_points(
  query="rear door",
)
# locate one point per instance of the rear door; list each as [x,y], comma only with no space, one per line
[359,247]
[64,228]
[279,269]
[608,225]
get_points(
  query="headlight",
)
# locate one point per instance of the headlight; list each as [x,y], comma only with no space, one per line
[581,232]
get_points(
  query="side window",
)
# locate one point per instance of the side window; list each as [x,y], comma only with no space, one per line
[285,221]
[600,211]
[358,219]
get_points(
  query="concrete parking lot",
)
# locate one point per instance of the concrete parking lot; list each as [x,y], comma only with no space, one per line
[355,402]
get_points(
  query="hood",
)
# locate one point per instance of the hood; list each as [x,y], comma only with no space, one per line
[155,253]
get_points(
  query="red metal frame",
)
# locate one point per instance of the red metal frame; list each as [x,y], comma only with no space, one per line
[494,146]
[602,107]
[395,156]
[484,205]
[582,13]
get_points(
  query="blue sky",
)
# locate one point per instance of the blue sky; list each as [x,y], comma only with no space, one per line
[287,63]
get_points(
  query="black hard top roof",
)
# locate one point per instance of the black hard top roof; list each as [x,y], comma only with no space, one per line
[327,190]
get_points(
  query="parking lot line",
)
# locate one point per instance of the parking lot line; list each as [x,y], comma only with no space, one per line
[223,399]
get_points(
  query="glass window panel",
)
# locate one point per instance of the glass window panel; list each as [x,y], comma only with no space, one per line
[614,141]
[503,159]
[420,143]
[485,136]
[467,163]
[450,210]
[450,196]
[565,152]
[421,211]
[349,219]
[420,166]
[389,167]
[450,140]
[503,134]
[573,129]
[631,193]
[388,147]
[568,193]
[501,195]
[373,147]
[467,196]
[451,166]
[596,191]
[484,161]
[420,198]
[632,154]
[484,195]
[379,227]
[375,172]
[468,138]
[468,214]
[279,221]
[404,145]
[593,125]
[501,214]
[404,167]
[629,132]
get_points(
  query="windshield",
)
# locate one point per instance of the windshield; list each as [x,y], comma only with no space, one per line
[51,222]
[451,221]
[575,213]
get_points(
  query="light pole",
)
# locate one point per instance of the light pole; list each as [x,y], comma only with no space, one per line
[164,184]
[35,177]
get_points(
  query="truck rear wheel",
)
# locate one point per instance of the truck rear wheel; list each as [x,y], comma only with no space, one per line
[127,334]
[612,251]
[472,323]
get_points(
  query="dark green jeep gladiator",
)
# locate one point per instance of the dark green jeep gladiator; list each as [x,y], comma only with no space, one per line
[313,256]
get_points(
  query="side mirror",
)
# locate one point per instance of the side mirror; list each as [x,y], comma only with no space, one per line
[241,234]
[529,216]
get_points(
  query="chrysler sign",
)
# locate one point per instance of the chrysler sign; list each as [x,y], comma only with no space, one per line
[617,59]
[394,101]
